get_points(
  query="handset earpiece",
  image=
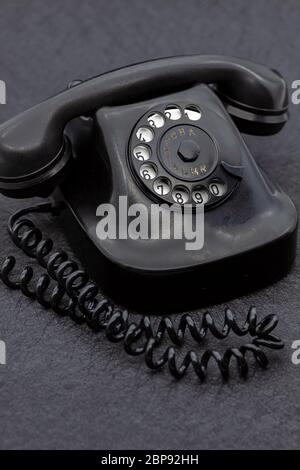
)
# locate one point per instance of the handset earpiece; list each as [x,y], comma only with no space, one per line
[267,113]
[34,154]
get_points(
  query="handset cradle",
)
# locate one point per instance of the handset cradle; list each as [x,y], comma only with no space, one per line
[164,132]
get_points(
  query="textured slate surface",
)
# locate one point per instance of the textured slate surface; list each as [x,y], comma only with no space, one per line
[64,387]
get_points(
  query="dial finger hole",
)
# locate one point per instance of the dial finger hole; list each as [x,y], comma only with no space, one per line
[200,196]
[180,194]
[148,171]
[162,186]
[173,112]
[192,112]
[145,134]
[217,188]
[142,153]
[156,120]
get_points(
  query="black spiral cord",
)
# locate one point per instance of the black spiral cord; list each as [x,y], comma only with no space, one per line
[76,295]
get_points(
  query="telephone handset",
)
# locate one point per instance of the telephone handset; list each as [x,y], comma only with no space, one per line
[164,132]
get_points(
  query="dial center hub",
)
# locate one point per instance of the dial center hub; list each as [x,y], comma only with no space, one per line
[188,152]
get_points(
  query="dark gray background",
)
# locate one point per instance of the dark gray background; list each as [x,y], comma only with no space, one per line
[64,387]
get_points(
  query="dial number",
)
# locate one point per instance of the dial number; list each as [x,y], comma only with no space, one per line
[142,153]
[144,134]
[173,112]
[156,120]
[148,171]
[200,196]
[192,112]
[180,194]
[217,188]
[162,186]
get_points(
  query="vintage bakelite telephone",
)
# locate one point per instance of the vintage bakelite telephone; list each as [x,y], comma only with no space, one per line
[163,131]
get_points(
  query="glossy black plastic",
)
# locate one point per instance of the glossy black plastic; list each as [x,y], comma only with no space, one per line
[250,238]
[31,143]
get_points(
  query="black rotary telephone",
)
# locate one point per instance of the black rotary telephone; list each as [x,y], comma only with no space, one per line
[161,132]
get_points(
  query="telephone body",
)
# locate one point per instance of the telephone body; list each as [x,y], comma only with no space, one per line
[166,132]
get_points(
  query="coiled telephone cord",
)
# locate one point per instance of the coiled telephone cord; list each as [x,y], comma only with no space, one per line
[74,294]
